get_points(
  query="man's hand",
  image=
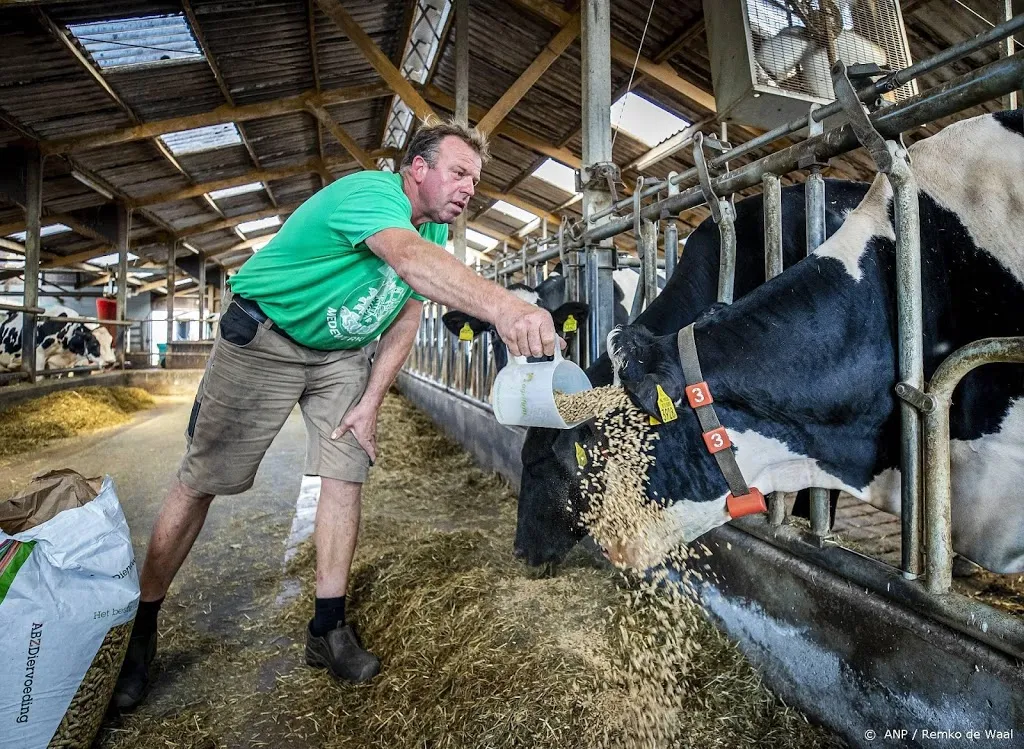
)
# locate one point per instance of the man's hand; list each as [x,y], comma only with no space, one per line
[528,330]
[361,420]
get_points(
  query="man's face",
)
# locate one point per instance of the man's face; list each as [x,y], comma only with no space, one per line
[445,188]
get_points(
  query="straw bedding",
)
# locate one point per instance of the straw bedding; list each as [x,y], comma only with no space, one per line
[478,649]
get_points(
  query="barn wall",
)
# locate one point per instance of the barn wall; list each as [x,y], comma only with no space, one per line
[851,660]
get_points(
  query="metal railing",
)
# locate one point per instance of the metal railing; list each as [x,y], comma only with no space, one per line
[925,466]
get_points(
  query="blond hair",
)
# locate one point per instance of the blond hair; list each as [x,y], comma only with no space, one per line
[427,140]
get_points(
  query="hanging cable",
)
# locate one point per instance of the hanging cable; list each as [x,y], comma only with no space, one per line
[639,51]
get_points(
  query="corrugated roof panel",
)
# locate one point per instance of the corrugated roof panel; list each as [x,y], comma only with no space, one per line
[137,41]
[230,192]
[157,92]
[288,139]
[202,138]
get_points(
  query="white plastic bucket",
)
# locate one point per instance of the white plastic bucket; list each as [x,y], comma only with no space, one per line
[524,393]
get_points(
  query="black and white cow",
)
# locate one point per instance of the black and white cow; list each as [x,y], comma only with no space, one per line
[548,294]
[59,344]
[803,369]
[545,531]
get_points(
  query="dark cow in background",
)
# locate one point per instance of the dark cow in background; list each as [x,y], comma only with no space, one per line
[59,344]
[546,530]
[803,369]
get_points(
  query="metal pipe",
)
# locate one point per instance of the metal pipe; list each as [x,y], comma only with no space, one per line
[171,250]
[772,207]
[671,233]
[939,518]
[814,199]
[909,307]
[124,219]
[202,296]
[33,248]
[649,233]
[727,261]
[978,86]
[1006,49]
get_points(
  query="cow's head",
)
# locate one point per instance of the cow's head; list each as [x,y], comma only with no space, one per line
[106,344]
[80,341]
[456,321]
[641,362]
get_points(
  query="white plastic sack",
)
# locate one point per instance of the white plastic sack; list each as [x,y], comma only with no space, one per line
[64,585]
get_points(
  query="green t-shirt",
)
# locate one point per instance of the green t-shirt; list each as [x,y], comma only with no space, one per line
[319,281]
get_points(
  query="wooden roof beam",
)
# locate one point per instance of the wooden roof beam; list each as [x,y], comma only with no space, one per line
[325,176]
[373,54]
[495,194]
[622,54]
[523,138]
[552,51]
[347,141]
[495,234]
[218,116]
[233,221]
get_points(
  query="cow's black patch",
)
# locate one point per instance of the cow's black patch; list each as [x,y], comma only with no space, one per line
[1012,120]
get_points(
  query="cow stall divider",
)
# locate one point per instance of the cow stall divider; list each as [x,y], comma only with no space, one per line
[466,368]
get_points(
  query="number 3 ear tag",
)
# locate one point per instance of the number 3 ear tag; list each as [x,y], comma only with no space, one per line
[569,326]
[666,407]
[466,334]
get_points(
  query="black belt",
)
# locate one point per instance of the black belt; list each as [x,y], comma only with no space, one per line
[253,310]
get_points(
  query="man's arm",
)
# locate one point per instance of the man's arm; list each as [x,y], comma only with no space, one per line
[436,274]
[392,352]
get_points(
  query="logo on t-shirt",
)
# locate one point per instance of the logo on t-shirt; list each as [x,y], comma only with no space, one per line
[366,307]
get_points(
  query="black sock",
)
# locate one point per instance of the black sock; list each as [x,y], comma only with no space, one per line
[145,618]
[328,614]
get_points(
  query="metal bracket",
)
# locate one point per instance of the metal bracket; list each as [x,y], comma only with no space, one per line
[721,209]
[923,402]
[814,128]
[856,115]
[602,175]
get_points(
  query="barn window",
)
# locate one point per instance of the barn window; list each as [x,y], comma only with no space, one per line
[645,120]
[145,40]
[247,227]
[202,139]
[46,231]
[520,215]
[480,239]
[230,192]
[557,174]
[110,259]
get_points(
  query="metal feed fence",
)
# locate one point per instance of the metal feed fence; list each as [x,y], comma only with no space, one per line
[923,579]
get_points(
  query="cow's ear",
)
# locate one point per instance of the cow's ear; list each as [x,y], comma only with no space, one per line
[456,321]
[645,394]
[578,311]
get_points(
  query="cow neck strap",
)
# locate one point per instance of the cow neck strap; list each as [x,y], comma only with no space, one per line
[742,500]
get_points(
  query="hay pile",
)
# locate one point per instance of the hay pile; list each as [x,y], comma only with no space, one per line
[478,651]
[36,423]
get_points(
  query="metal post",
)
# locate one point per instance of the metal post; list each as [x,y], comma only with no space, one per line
[597,160]
[649,234]
[33,247]
[202,296]
[124,223]
[171,251]
[814,201]
[1006,51]
[772,206]
[909,308]
[671,233]
[461,102]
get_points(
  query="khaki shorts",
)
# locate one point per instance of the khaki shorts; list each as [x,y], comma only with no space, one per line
[252,382]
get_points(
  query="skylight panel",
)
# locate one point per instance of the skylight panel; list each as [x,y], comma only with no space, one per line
[259,224]
[230,192]
[110,259]
[515,212]
[645,120]
[557,174]
[182,281]
[45,231]
[137,41]
[202,139]
[480,239]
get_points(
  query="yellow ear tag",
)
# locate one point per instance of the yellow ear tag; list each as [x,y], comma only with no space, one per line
[654,422]
[569,326]
[666,406]
[466,334]
[581,456]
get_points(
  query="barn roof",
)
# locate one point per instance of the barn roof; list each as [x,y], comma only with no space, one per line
[209,117]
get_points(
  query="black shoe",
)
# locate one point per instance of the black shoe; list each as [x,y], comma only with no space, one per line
[340,652]
[133,681]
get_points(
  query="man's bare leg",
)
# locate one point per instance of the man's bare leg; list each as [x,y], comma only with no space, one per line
[329,645]
[337,528]
[177,525]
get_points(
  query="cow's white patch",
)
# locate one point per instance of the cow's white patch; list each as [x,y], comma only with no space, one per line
[106,342]
[988,508]
[612,347]
[527,295]
[867,220]
[973,169]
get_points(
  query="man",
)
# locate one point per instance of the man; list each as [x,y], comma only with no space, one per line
[353,262]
